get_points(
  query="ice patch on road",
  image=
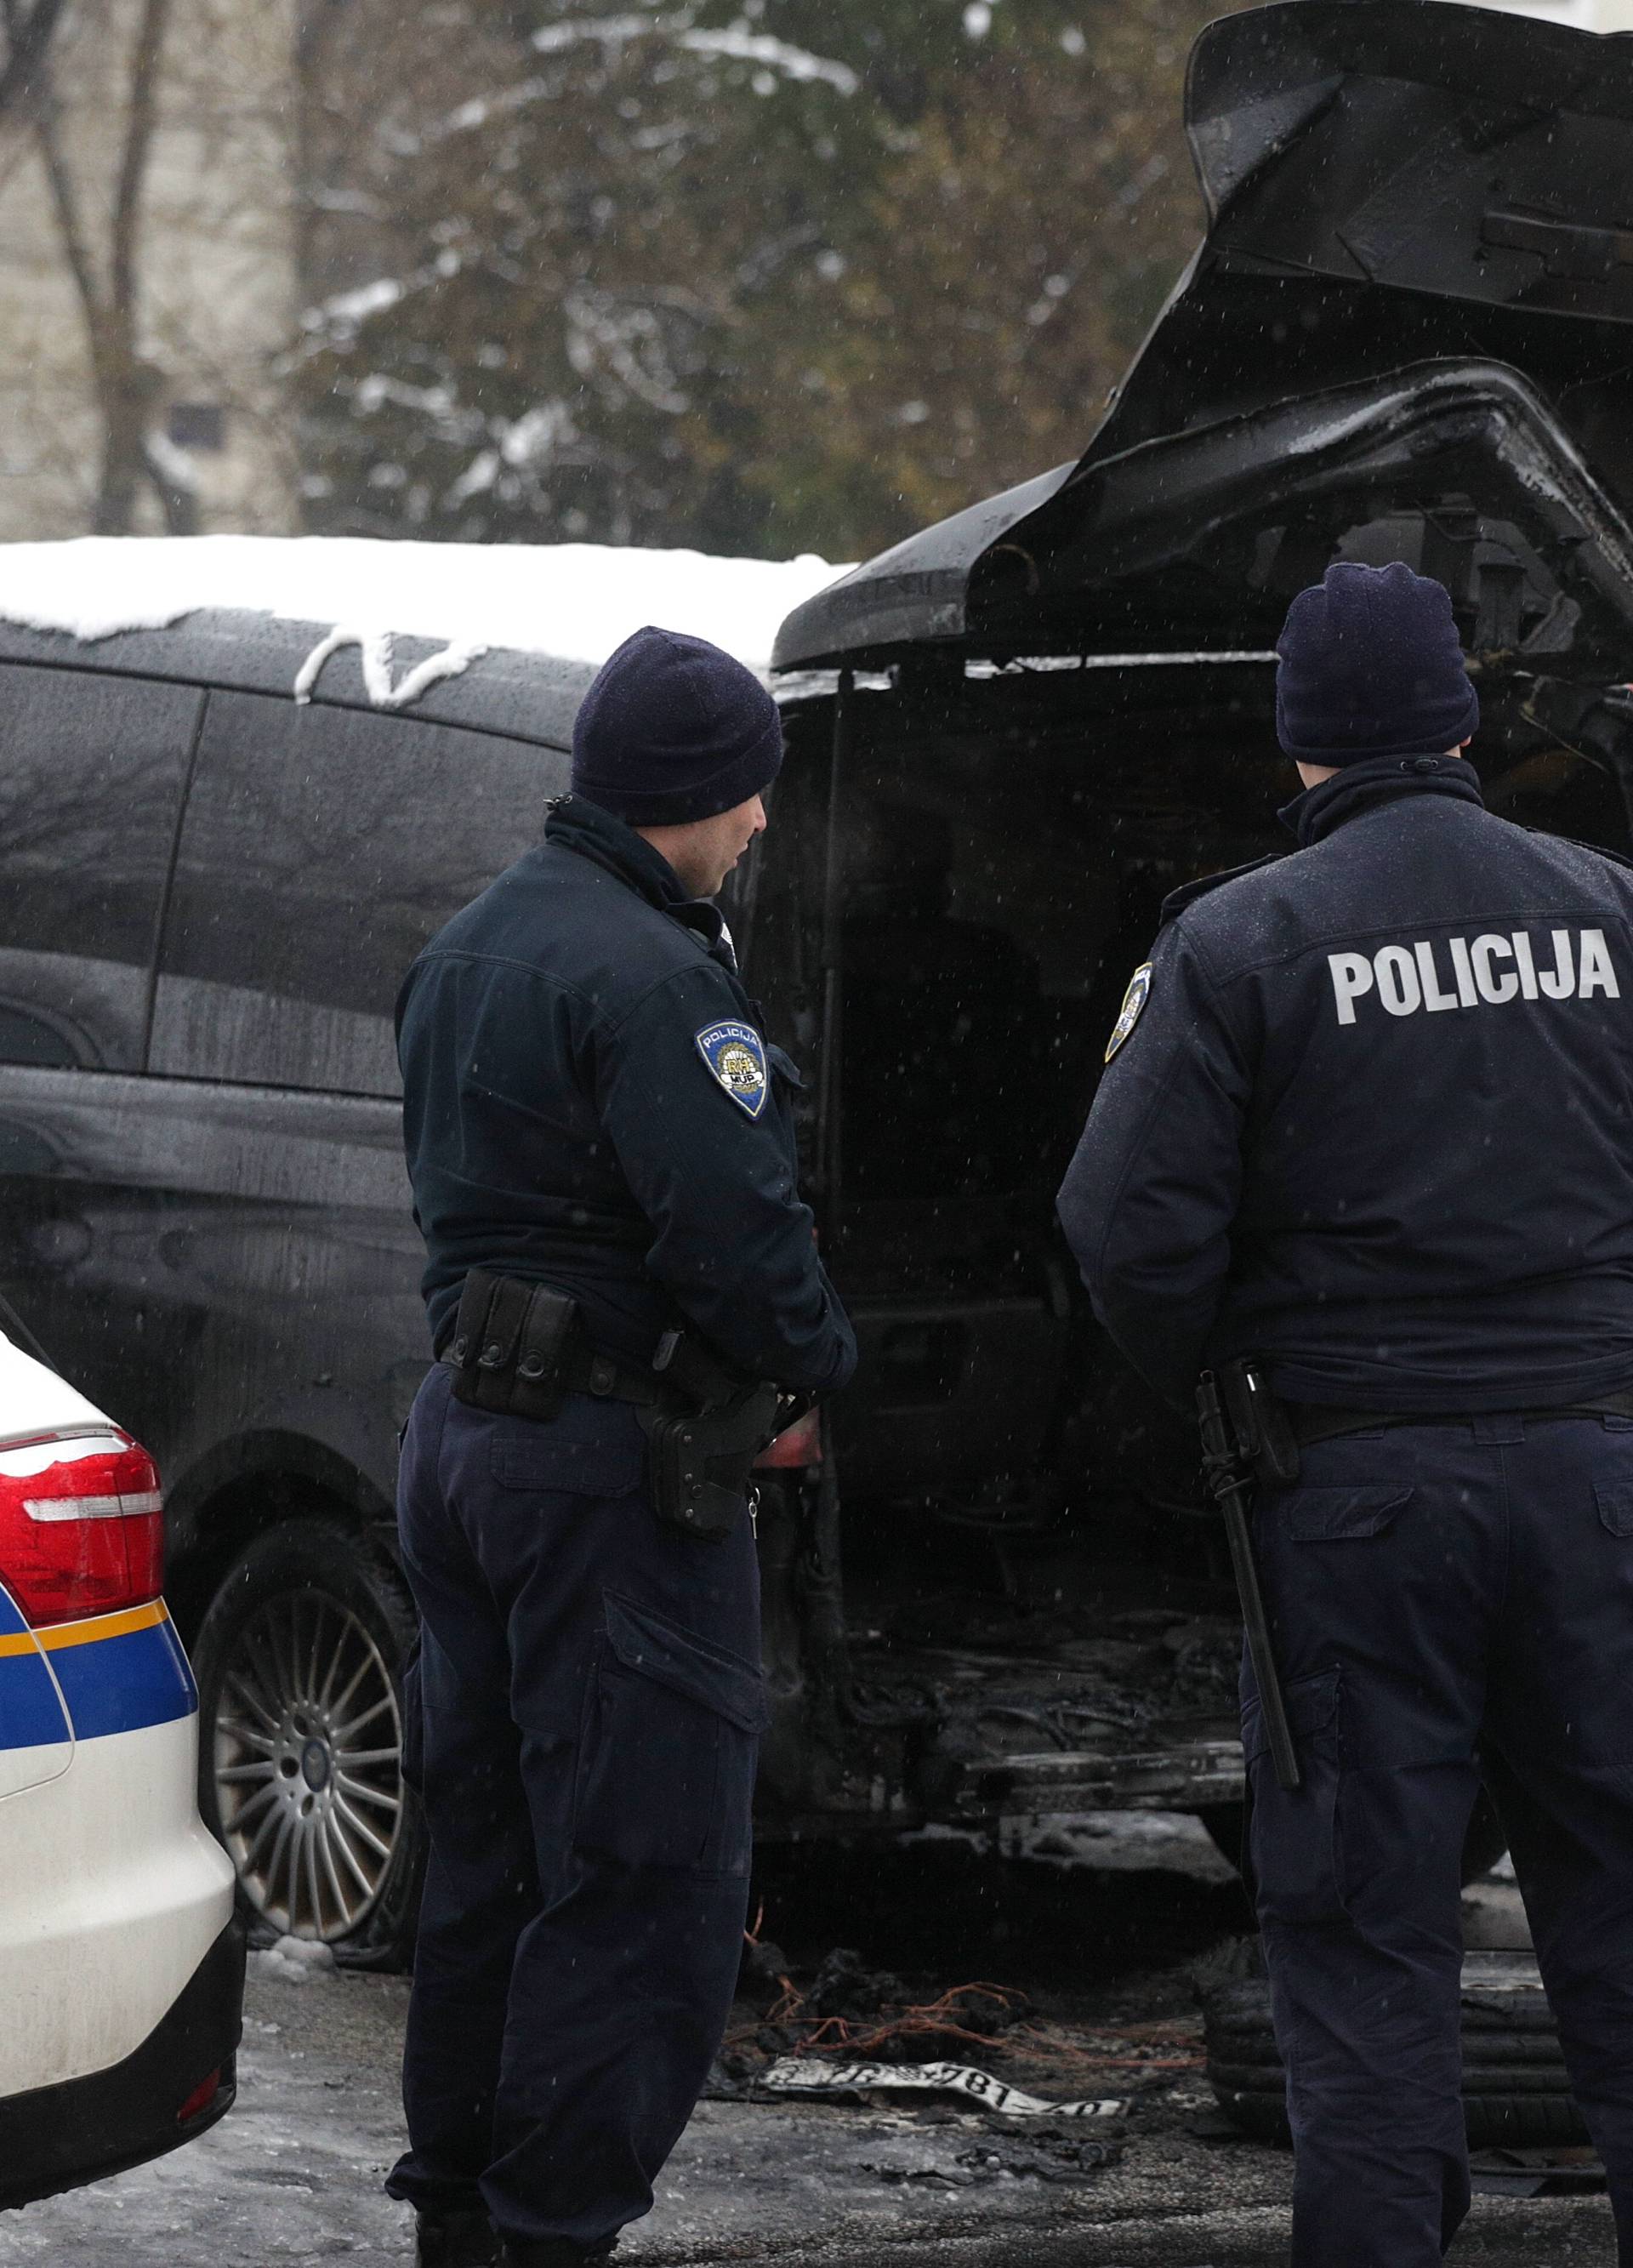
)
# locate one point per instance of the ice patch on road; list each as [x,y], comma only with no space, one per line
[293,1960]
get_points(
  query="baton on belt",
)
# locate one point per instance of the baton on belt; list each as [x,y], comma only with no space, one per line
[1225,1467]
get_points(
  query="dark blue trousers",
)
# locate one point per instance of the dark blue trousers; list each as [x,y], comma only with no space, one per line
[1448,1601]
[591,1701]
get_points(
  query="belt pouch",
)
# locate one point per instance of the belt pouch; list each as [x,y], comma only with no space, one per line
[509,1343]
[701,1460]
[547,1325]
[470,1334]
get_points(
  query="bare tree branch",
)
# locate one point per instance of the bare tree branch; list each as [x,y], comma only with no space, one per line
[145,64]
[127,389]
[28,40]
[315,23]
[69,222]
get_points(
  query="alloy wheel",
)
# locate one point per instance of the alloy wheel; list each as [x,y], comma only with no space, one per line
[308,1739]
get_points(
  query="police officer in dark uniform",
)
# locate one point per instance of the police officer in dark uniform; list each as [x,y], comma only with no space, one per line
[603,1154]
[1368,1118]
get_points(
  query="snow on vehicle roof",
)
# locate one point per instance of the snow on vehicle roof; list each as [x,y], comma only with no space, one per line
[575,601]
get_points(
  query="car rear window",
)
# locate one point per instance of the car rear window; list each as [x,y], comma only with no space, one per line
[90,775]
[321,848]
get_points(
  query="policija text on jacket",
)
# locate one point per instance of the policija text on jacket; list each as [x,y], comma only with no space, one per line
[1259,1176]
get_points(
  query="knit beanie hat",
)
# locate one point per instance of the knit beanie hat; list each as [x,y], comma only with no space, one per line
[1369,666]
[671,730]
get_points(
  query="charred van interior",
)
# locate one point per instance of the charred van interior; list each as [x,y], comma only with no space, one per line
[1395,343]
[968,862]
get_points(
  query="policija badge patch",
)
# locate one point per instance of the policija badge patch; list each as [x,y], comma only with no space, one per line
[735,1053]
[1128,1015]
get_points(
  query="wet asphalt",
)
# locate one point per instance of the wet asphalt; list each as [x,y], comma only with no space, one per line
[294,2175]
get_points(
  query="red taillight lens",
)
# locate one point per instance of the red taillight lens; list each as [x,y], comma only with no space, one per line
[201,2099]
[82,1527]
[800,1446]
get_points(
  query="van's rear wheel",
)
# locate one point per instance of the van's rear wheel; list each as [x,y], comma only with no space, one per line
[300,1738]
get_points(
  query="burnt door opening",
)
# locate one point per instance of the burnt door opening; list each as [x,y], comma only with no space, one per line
[1035,1612]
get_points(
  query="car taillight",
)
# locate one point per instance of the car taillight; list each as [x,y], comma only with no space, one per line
[202,2096]
[81,1526]
[800,1446]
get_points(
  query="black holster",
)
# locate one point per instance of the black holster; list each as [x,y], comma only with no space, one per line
[519,1348]
[1265,1437]
[509,1343]
[702,1458]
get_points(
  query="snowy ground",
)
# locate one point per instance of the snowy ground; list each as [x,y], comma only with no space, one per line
[294,2175]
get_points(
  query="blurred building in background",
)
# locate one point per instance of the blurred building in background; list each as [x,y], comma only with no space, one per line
[760,276]
[756,276]
[147,274]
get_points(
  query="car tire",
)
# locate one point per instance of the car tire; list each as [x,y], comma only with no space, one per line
[300,1661]
[1516,2091]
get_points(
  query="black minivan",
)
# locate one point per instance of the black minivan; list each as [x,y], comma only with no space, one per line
[209,891]
[994,1603]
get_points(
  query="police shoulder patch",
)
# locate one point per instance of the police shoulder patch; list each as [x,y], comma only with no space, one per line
[1128,1015]
[736,1054]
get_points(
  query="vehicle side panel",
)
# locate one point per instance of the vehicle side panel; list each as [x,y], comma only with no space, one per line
[114,1891]
[221,1266]
[90,791]
[36,1739]
[81,2130]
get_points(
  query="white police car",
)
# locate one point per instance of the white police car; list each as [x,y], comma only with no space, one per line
[121,1968]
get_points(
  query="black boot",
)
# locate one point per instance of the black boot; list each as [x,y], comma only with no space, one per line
[455,2240]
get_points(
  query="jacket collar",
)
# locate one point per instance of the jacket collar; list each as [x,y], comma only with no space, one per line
[1377,780]
[583,827]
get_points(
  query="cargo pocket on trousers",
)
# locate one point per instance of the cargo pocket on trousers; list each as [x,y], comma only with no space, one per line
[1614,1499]
[1336,1515]
[590,1448]
[671,1738]
[1294,1831]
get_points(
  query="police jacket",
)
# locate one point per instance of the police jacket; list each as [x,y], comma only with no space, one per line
[588,1101]
[1372,1120]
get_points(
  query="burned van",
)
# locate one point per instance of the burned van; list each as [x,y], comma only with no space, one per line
[1406,337]
[993,1599]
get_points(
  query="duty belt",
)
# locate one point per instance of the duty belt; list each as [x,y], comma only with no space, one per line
[1312,1422]
[581,1370]
[518,1349]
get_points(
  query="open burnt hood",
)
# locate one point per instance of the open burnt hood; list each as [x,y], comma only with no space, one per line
[1408,334]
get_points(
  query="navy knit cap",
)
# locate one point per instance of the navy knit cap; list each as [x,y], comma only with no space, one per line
[1371,667]
[673,729]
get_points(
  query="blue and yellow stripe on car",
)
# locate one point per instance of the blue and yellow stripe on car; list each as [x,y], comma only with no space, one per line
[118,1672]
